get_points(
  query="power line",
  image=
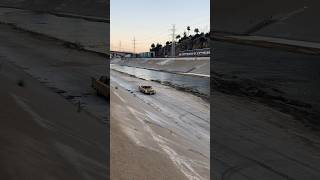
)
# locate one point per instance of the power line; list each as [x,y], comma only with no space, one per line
[142,42]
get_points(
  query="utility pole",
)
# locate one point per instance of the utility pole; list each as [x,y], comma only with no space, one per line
[134,46]
[173,41]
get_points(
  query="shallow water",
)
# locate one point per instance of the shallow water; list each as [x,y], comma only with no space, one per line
[195,84]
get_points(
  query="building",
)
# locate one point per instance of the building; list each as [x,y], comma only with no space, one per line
[146,54]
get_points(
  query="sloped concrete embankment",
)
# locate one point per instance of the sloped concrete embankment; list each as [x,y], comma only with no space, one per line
[302,111]
[286,81]
[196,66]
[282,19]
[78,33]
[95,8]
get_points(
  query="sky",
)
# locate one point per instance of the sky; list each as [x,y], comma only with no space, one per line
[150,21]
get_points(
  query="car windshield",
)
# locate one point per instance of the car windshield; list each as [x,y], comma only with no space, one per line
[146,87]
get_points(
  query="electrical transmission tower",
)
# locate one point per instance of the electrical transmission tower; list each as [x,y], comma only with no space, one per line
[173,48]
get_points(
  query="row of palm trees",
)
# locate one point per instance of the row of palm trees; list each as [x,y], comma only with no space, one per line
[196,30]
[185,36]
[183,41]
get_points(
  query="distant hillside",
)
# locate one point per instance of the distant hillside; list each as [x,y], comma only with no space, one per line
[292,19]
[98,8]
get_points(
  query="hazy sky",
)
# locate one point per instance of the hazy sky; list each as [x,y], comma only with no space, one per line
[150,21]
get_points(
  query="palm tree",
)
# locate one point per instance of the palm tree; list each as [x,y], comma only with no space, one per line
[188,29]
[178,36]
[203,41]
[184,34]
[158,49]
[152,47]
[159,45]
[196,30]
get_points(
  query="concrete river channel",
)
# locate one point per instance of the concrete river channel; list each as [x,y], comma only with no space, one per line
[195,84]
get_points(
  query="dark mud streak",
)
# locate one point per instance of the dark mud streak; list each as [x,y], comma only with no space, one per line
[261,25]
[271,45]
[272,97]
[67,44]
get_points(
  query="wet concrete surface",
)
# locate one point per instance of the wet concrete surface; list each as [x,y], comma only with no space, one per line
[66,71]
[176,121]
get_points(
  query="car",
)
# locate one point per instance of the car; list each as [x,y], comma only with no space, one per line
[101,86]
[147,90]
